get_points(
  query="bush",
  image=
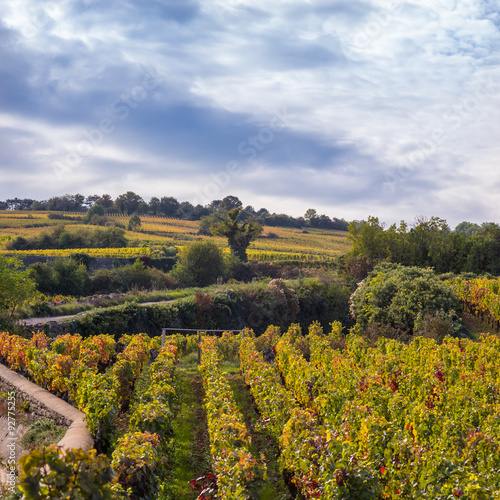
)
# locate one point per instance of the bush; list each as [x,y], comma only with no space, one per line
[200,264]
[69,276]
[81,258]
[138,276]
[16,289]
[106,281]
[255,305]
[402,297]
[64,276]
[59,238]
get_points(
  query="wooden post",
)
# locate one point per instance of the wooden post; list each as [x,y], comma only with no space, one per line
[163,330]
[199,348]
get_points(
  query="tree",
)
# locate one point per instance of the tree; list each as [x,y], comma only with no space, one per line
[128,203]
[186,211]
[427,240]
[310,216]
[16,289]
[134,223]
[154,205]
[230,202]
[239,235]
[368,240]
[468,228]
[200,264]
[91,200]
[204,225]
[105,201]
[66,203]
[18,204]
[169,206]
[93,215]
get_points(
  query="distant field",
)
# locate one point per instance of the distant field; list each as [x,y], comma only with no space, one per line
[275,244]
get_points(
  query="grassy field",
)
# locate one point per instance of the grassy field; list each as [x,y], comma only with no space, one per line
[275,244]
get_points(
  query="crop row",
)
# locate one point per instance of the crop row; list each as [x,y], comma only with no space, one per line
[295,429]
[144,453]
[479,295]
[126,252]
[395,420]
[89,372]
[239,474]
[140,456]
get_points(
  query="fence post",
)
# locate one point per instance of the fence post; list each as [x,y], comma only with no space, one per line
[163,330]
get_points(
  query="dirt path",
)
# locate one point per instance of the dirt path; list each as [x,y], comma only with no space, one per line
[192,445]
[56,319]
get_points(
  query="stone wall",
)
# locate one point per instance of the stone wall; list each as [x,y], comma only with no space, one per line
[45,405]
[50,328]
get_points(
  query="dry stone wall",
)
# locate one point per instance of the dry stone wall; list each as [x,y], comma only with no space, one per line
[44,404]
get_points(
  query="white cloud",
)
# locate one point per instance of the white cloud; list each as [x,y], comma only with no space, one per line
[411,86]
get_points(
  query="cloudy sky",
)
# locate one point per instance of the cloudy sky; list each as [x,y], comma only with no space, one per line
[355,108]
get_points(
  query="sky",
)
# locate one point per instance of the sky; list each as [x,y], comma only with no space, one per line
[354,108]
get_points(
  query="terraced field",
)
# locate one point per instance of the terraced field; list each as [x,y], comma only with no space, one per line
[275,244]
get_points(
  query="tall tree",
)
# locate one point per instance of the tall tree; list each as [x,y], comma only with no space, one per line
[230,202]
[128,203]
[90,201]
[238,234]
[154,205]
[169,206]
[311,216]
[368,240]
[105,201]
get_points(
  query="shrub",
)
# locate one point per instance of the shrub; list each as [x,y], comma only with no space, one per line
[402,297]
[16,289]
[200,264]
[58,237]
[64,276]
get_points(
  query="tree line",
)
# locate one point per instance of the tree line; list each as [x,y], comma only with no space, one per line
[131,203]
[426,243]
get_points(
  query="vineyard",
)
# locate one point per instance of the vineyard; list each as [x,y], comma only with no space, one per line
[119,253]
[350,420]
[480,296]
[282,245]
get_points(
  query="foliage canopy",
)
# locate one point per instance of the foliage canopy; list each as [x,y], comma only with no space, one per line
[200,264]
[402,297]
[16,288]
[238,234]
